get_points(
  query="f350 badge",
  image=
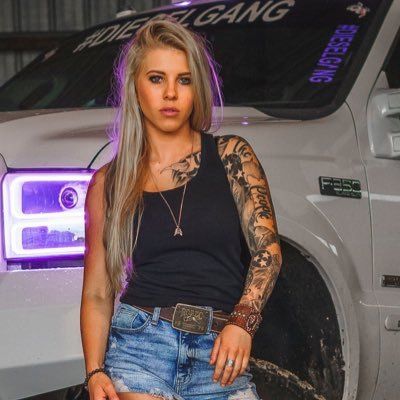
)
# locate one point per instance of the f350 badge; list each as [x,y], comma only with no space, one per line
[342,187]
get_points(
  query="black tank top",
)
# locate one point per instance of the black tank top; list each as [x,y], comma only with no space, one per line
[209,263]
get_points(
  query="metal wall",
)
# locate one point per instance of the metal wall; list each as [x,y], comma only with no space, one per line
[28,26]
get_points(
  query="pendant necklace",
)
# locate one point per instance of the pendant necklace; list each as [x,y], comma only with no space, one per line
[178,229]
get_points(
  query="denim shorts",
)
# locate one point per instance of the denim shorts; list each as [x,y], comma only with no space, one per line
[146,354]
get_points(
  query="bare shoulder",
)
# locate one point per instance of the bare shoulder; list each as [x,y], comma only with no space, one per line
[96,185]
[102,170]
[98,176]
[94,205]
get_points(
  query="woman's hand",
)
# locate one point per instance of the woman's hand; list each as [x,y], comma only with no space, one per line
[101,387]
[234,343]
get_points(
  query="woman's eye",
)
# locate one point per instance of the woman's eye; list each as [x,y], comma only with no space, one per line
[154,76]
[187,80]
[154,79]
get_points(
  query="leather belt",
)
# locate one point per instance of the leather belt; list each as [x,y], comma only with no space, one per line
[191,318]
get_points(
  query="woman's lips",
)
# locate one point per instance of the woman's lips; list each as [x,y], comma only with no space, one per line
[169,112]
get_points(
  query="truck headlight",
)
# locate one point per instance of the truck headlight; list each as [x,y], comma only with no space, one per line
[44,213]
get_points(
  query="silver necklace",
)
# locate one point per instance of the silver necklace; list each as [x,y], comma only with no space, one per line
[178,229]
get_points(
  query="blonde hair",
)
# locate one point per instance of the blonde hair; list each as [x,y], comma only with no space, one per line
[126,172]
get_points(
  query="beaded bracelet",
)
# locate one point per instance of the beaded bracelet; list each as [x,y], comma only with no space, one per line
[245,316]
[88,376]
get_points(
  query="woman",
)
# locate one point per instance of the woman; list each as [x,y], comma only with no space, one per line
[180,224]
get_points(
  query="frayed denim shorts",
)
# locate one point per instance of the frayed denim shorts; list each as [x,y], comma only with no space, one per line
[146,354]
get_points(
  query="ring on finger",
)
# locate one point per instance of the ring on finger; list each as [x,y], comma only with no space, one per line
[229,362]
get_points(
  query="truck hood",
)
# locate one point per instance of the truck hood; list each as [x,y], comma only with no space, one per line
[71,138]
[67,138]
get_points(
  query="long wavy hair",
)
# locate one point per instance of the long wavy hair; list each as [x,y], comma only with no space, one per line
[126,172]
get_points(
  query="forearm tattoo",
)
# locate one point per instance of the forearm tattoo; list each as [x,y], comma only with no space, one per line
[251,193]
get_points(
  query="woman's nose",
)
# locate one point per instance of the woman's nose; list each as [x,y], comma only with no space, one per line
[170,90]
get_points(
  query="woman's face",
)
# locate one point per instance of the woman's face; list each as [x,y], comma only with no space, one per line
[164,80]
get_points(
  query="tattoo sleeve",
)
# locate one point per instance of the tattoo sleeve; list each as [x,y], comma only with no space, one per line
[251,193]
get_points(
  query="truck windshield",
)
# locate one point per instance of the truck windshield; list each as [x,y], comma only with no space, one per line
[294,54]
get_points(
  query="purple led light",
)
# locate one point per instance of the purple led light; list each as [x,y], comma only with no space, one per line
[44,213]
[69,197]
[51,197]
[41,237]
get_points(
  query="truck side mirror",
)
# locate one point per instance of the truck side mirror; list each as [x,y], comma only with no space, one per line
[383,115]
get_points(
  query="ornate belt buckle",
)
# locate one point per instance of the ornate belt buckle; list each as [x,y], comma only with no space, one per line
[190,318]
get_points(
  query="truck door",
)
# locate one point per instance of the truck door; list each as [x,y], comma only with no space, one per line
[382,162]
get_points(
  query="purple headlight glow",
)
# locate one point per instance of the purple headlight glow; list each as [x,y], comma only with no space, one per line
[69,197]
[50,197]
[44,213]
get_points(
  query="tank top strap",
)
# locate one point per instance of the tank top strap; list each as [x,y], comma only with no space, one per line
[210,155]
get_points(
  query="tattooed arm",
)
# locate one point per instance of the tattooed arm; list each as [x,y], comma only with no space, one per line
[250,190]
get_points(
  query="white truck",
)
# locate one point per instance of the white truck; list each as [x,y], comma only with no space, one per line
[314,86]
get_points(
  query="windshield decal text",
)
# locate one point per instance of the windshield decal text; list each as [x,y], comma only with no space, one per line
[242,12]
[334,54]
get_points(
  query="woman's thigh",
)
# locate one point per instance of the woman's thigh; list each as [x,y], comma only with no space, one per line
[141,354]
[199,384]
